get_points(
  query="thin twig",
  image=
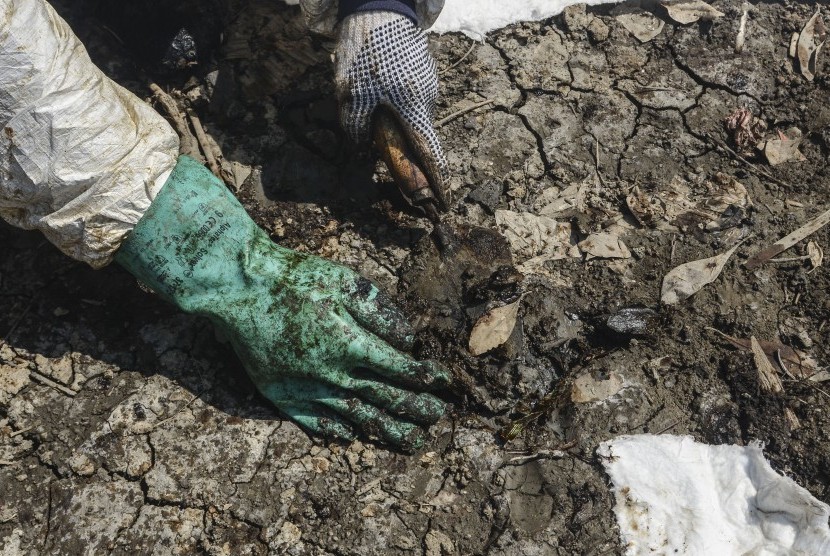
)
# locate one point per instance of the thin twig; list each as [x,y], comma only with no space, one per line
[789,259]
[461,112]
[205,145]
[189,145]
[472,46]
[751,166]
[21,431]
[6,462]
[52,384]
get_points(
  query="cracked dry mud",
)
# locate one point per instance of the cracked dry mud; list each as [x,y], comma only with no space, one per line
[128,428]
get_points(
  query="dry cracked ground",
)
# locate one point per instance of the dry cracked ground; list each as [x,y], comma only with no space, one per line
[126,427]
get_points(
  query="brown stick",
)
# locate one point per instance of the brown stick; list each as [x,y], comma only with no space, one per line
[52,384]
[189,146]
[788,241]
[207,149]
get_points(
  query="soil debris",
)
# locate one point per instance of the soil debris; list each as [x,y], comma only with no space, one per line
[747,129]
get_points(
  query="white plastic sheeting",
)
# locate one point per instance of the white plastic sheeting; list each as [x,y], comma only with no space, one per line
[677,496]
[81,158]
[321,15]
[474,19]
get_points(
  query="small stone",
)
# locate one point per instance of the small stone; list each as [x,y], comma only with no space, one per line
[289,535]
[438,544]
[575,18]
[82,465]
[487,194]
[428,458]
[598,31]
[60,312]
[370,511]
[321,465]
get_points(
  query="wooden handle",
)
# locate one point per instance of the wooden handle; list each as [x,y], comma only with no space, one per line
[391,141]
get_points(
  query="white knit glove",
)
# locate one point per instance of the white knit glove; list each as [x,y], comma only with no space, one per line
[383,59]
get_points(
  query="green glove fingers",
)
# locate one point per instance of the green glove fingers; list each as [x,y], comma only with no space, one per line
[320,401]
[375,312]
[310,416]
[375,354]
[302,326]
[422,408]
[392,431]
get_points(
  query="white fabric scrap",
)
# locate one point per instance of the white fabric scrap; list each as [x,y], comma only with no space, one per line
[677,496]
[81,158]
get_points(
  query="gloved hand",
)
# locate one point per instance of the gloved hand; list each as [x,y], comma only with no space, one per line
[312,334]
[382,59]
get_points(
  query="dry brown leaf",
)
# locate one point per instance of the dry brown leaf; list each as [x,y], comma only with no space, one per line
[810,41]
[640,23]
[784,148]
[588,388]
[494,328]
[793,50]
[796,362]
[816,254]
[687,279]
[767,377]
[604,245]
[689,11]
[535,239]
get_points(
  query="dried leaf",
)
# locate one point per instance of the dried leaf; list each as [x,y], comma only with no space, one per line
[796,362]
[792,421]
[816,254]
[494,328]
[552,201]
[687,279]
[587,388]
[640,23]
[788,241]
[793,50]
[689,11]
[810,41]
[784,148]
[604,245]
[535,239]
[768,378]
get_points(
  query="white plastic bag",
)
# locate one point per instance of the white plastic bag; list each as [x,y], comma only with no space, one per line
[81,158]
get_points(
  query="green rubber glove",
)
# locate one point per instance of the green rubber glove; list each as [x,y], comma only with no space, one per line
[313,335]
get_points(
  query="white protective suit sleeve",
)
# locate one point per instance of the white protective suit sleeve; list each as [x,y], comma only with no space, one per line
[321,15]
[81,158]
